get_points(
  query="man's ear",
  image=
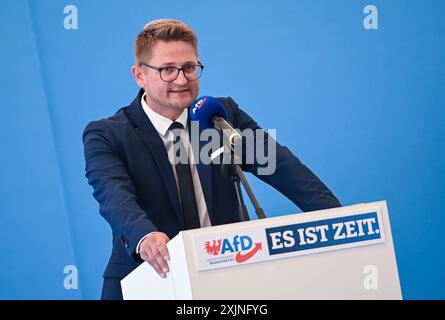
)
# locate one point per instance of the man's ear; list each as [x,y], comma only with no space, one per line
[138,75]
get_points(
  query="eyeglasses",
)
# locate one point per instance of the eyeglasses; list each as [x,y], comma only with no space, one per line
[170,73]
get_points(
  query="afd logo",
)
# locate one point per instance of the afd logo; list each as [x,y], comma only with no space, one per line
[198,104]
[242,247]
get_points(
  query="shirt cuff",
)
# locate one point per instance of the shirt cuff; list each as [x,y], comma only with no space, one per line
[140,241]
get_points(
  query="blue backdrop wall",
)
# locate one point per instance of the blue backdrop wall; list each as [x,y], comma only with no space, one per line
[362,108]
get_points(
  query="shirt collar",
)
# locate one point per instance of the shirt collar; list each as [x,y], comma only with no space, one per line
[160,122]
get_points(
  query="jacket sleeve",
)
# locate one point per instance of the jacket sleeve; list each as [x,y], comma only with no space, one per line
[112,187]
[290,177]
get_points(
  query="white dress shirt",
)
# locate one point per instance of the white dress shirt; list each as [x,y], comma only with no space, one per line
[162,124]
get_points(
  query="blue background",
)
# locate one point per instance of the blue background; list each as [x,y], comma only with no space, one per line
[364,109]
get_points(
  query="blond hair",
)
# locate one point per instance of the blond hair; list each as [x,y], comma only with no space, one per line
[162,30]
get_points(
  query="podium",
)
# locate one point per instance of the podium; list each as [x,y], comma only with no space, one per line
[340,253]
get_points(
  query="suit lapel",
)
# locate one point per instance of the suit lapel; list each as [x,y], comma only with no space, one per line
[145,129]
[147,132]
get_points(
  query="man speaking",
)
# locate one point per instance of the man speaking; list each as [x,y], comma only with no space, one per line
[144,193]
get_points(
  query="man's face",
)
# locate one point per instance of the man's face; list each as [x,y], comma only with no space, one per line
[168,98]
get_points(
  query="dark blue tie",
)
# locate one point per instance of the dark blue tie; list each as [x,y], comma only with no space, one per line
[185,181]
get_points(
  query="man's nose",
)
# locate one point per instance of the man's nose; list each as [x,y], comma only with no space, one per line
[181,79]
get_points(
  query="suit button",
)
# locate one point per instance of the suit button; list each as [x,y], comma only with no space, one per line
[124,242]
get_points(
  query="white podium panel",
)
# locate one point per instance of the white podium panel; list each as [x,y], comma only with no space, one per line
[341,253]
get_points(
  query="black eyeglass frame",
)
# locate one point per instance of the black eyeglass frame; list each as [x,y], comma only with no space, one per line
[159,69]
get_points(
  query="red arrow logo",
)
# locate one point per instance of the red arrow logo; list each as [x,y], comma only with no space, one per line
[240,258]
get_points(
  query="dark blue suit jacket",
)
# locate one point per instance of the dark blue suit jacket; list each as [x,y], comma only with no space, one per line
[127,165]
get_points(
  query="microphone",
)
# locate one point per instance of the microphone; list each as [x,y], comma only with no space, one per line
[209,112]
